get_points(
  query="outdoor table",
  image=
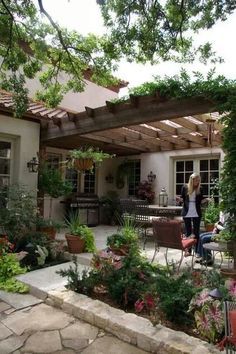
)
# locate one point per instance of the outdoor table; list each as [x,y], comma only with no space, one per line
[169,211]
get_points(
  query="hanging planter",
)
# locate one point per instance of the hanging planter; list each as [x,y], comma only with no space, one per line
[83,164]
[84,159]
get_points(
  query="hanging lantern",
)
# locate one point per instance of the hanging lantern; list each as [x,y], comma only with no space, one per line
[163,198]
[210,129]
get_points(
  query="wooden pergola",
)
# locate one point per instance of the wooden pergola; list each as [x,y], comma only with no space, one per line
[140,124]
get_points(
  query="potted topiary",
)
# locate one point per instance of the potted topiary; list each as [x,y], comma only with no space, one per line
[211,215]
[83,159]
[79,237]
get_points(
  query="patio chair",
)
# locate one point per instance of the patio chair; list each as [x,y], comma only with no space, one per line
[229,341]
[143,220]
[168,234]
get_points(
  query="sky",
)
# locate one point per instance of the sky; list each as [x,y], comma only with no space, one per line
[84,16]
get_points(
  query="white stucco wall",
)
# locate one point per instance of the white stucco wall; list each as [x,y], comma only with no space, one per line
[24,136]
[93,96]
[160,163]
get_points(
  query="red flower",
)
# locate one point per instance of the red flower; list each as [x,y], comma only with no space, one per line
[149,301]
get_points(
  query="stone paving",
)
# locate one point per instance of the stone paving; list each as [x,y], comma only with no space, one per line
[45,329]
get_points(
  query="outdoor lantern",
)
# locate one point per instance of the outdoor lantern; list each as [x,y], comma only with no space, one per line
[151,177]
[33,165]
[163,198]
[216,294]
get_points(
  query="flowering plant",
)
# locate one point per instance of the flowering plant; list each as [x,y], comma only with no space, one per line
[5,245]
[208,315]
[145,192]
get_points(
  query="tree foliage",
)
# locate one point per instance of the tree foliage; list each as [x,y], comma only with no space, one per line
[154,30]
[33,44]
[30,43]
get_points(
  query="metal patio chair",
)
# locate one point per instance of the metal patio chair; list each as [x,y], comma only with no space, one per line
[168,234]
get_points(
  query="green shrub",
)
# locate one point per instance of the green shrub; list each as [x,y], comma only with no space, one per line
[9,267]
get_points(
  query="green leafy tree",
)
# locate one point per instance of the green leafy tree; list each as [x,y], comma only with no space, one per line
[139,30]
[153,30]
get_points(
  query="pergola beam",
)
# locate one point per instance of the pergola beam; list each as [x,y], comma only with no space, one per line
[127,115]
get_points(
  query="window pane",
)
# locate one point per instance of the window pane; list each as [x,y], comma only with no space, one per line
[53,161]
[72,177]
[4,167]
[89,181]
[214,175]
[204,177]
[205,189]
[4,181]
[187,175]
[214,164]
[179,166]
[189,166]
[203,165]
[178,189]
[134,178]
[180,178]
[5,149]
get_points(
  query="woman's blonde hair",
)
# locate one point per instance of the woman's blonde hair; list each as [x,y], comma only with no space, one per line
[190,184]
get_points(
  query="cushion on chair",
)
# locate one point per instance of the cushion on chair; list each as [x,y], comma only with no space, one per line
[232,321]
[188,242]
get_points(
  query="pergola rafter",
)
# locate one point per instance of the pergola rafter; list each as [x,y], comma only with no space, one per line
[141,124]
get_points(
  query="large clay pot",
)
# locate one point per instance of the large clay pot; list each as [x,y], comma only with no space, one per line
[83,164]
[75,243]
[209,227]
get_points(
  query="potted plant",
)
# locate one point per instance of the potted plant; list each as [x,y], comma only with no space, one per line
[121,243]
[211,215]
[79,237]
[83,159]
[145,192]
[51,183]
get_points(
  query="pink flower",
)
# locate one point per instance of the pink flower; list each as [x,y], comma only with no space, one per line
[139,305]
[149,301]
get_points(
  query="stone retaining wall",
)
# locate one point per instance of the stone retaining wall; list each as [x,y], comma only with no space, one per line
[126,326]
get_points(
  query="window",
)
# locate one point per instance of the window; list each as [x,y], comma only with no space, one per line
[134,177]
[5,163]
[208,168]
[72,177]
[89,181]
[53,161]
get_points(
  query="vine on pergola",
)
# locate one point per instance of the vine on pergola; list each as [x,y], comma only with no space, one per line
[222,92]
[140,30]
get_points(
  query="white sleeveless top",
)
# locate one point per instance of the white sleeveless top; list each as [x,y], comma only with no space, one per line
[192,212]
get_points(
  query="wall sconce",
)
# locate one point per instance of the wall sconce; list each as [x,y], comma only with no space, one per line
[109,178]
[33,165]
[151,177]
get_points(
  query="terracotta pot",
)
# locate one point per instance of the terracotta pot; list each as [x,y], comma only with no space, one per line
[50,231]
[75,243]
[209,227]
[120,251]
[83,164]
[228,272]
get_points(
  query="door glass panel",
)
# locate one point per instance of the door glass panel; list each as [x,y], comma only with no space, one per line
[179,166]
[203,165]
[5,149]
[189,166]
[4,167]
[214,164]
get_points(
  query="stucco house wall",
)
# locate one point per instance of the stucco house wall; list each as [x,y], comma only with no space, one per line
[93,96]
[24,136]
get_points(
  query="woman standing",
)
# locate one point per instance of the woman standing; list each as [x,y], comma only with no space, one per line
[192,197]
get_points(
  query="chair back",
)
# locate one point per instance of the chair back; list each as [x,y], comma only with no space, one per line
[168,233]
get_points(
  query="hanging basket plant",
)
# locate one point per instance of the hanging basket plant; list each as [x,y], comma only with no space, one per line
[84,159]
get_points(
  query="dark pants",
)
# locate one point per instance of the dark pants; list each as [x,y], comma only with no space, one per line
[192,226]
[204,238]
